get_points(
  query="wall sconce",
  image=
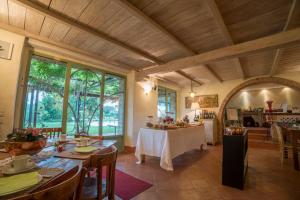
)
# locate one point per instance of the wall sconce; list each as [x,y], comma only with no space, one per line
[148,86]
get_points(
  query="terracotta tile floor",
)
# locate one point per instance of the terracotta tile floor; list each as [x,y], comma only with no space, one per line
[197,175]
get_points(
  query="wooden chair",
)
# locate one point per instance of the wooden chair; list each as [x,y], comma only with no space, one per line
[98,137]
[284,143]
[47,132]
[66,190]
[99,161]
[274,133]
[52,132]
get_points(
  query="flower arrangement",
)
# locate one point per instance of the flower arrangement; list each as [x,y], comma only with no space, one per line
[25,141]
[26,135]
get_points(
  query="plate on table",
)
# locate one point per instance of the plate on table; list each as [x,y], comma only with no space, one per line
[9,170]
[86,149]
[39,179]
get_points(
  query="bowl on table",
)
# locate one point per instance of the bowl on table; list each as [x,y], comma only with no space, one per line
[26,147]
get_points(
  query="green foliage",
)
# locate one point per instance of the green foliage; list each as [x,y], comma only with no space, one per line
[48,72]
[84,95]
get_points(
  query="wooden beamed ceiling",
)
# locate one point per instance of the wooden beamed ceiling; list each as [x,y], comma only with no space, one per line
[292,21]
[155,37]
[279,40]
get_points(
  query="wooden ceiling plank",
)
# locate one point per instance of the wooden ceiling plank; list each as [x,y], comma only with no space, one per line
[187,76]
[225,32]
[3,11]
[75,8]
[105,62]
[33,21]
[168,81]
[43,2]
[291,19]
[156,26]
[83,27]
[275,41]
[214,73]
[16,14]
[142,16]
[47,27]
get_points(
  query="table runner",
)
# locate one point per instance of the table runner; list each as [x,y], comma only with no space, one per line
[167,144]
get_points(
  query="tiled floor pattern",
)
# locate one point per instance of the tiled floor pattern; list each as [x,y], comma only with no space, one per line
[197,175]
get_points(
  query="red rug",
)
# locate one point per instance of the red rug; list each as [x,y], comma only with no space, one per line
[128,186]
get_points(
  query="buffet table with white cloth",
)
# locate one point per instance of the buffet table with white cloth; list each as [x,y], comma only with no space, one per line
[167,144]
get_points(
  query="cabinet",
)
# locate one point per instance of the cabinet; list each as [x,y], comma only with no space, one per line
[210,127]
[235,160]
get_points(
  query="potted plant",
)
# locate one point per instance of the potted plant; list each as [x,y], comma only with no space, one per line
[25,141]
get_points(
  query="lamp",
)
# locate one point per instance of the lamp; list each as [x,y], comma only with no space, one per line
[192,94]
[147,85]
[195,106]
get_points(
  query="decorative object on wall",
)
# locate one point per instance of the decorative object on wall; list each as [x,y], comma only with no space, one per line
[232,114]
[6,49]
[204,101]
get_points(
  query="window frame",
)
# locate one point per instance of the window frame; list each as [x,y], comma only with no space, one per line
[24,77]
[167,91]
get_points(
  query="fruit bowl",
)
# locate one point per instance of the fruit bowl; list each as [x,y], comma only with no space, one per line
[25,147]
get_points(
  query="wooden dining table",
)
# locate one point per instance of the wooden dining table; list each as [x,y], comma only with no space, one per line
[66,160]
[295,137]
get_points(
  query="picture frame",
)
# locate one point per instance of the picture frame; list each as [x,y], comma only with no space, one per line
[205,101]
[6,49]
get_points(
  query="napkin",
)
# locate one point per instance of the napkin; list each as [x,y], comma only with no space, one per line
[18,182]
[85,149]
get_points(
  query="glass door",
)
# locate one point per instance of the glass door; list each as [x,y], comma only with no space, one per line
[84,102]
[113,105]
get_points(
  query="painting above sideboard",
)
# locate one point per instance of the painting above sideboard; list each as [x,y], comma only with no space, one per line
[205,101]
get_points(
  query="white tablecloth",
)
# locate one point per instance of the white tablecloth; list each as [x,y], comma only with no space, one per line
[167,144]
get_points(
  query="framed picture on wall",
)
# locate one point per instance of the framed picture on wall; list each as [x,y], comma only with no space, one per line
[205,101]
[6,49]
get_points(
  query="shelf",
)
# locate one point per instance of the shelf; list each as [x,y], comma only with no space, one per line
[279,113]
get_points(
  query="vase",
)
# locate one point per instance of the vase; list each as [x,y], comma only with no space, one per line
[269,103]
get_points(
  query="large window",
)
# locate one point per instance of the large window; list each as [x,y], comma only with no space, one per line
[45,93]
[166,102]
[74,98]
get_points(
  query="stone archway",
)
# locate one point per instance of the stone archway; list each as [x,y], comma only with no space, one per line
[259,80]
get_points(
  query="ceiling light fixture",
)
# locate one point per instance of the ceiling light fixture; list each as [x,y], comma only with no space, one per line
[192,94]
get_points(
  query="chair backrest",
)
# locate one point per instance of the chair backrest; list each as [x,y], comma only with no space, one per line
[280,135]
[51,132]
[107,159]
[274,133]
[96,137]
[66,190]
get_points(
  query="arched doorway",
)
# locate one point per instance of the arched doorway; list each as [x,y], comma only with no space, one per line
[254,81]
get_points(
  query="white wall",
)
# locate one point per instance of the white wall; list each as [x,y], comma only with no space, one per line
[141,105]
[9,74]
[257,98]
[222,89]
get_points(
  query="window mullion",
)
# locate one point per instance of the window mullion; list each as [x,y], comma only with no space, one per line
[66,98]
[101,103]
